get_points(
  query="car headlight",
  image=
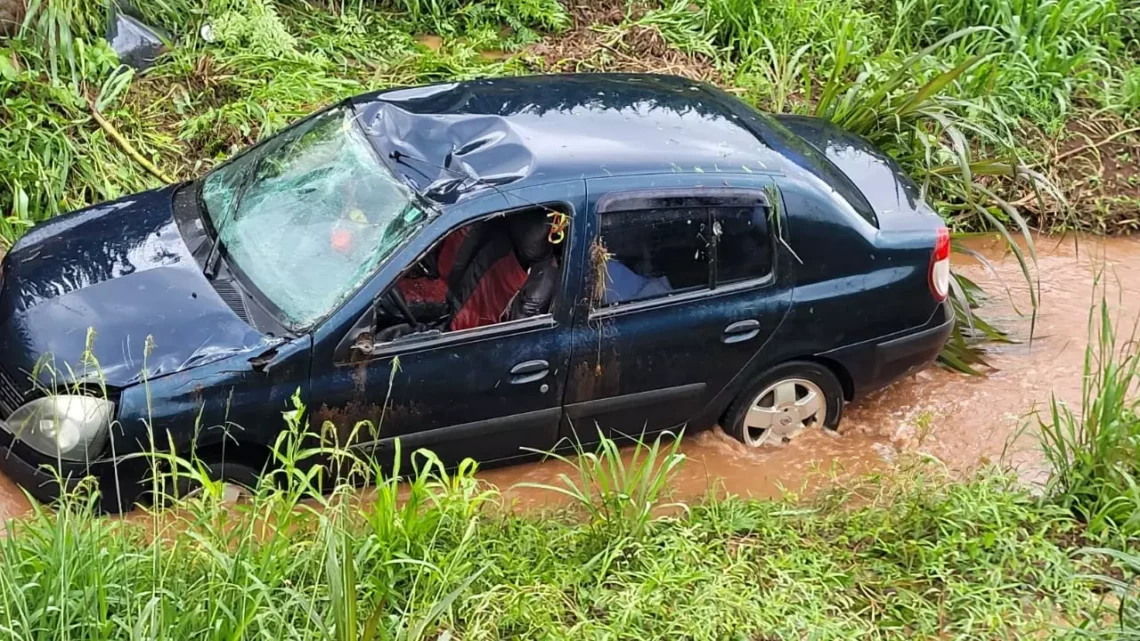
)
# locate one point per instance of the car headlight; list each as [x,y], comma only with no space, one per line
[71,427]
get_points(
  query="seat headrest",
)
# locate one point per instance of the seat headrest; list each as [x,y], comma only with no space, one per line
[529,235]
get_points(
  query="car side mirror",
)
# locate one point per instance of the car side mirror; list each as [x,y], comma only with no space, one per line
[364,344]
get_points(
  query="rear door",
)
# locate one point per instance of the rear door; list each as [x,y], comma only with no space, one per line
[682,287]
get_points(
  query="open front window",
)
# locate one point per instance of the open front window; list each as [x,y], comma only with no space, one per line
[495,270]
[309,215]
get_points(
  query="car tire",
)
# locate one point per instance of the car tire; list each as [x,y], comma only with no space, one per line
[784,401]
[240,481]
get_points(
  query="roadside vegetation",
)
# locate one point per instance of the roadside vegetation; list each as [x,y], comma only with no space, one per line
[439,557]
[1094,450]
[435,553]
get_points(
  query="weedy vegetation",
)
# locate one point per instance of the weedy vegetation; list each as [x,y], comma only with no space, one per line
[437,556]
[1095,451]
[1125,587]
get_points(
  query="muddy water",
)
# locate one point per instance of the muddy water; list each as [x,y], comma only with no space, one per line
[12,501]
[960,420]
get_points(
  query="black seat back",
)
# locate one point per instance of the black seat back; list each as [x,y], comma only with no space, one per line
[538,291]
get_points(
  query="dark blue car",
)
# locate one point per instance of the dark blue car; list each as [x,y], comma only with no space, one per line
[480,268]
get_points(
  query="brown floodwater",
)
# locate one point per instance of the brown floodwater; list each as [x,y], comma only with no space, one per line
[962,421]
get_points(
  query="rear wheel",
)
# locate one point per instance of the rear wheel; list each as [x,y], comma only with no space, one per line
[784,402]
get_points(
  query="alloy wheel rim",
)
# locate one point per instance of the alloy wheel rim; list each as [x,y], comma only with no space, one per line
[782,410]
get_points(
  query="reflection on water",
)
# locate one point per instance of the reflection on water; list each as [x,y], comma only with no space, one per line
[963,421]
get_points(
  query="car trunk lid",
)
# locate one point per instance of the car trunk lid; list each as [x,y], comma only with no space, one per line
[897,201]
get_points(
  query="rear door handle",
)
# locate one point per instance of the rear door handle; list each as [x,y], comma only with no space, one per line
[741,331]
[529,371]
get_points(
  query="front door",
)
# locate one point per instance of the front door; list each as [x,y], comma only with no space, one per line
[685,287]
[487,381]
[482,393]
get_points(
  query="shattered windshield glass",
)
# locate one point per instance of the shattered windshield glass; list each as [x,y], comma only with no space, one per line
[311,214]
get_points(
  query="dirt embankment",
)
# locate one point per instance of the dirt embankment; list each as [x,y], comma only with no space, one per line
[1095,161]
[605,36]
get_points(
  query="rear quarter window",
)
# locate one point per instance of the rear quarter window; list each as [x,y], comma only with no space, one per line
[654,253]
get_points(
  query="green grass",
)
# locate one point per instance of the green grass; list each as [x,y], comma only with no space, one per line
[1047,55]
[437,557]
[1125,588]
[618,496]
[1095,451]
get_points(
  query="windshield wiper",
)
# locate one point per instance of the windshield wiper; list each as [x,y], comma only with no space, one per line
[210,268]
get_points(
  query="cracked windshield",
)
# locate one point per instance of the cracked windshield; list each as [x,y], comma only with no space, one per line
[309,215]
[430,320]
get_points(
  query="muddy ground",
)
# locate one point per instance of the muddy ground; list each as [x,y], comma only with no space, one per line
[960,420]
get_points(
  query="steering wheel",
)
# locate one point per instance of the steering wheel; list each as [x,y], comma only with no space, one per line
[396,298]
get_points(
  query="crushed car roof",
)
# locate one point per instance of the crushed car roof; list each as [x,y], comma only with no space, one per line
[446,139]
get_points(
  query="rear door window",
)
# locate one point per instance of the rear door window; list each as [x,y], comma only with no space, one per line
[656,253]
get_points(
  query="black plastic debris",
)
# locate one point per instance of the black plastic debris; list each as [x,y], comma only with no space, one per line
[138,44]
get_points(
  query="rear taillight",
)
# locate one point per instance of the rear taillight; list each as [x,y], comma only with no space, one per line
[940,265]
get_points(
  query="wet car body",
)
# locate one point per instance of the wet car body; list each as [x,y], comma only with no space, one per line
[132,299]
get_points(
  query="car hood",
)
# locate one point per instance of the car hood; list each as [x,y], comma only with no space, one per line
[112,293]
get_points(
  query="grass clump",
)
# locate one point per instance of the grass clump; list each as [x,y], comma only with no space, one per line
[619,496]
[435,557]
[1095,453]
[1053,51]
[1125,587]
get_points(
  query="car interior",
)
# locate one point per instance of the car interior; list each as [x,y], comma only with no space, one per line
[494,270]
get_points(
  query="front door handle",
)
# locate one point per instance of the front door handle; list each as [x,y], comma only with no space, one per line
[529,371]
[741,331]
